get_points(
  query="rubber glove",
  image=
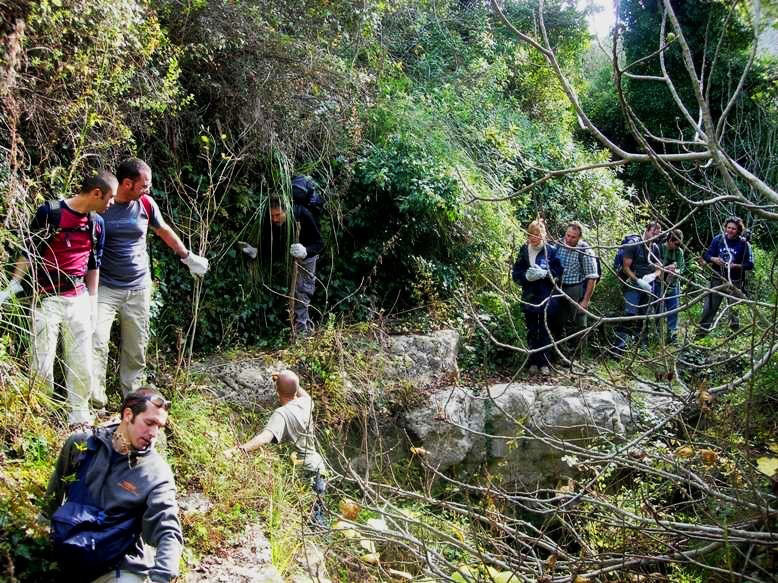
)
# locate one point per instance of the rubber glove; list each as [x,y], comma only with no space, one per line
[535,273]
[198,266]
[644,285]
[13,288]
[249,250]
[298,251]
[649,278]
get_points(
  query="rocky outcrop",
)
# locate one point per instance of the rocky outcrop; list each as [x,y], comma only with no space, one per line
[446,426]
[411,360]
[247,560]
[523,430]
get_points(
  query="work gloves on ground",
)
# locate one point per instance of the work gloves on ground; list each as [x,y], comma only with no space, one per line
[298,251]
[535,273]
[13,288]
[249,250]
[198,266]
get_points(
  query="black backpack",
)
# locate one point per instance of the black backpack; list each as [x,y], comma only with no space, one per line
[52,225]
[628,241]
[305,192]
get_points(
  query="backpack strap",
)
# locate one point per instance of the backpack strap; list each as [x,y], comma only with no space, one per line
[146,202]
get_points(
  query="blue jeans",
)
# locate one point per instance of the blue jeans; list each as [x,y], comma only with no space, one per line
[671,301]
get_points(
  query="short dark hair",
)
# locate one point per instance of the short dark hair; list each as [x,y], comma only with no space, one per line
[275,203]
[103,180]
[131,168]
[652,224]
[137,401]
[738,223]
[675,235]
[577,226]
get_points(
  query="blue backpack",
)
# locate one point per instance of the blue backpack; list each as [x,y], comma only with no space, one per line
[87,542]
[305,192]
[626,242]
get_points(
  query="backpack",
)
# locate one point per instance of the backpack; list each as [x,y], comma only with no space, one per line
[626,242]
[86,541]
[306,193]
[54,218]
[596,263]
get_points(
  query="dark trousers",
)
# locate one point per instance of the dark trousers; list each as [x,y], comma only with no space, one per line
[568,318]
[712,303]
[538,336]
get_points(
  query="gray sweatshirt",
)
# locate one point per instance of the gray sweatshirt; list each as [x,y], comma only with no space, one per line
[142,485]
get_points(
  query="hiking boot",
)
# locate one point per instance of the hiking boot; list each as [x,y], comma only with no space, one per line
[533,369]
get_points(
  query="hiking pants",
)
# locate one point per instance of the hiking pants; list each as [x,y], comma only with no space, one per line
[132,307]
[73,313]
[569,318]
[537,336]
[712,303]
[636,303]
[306,284]
[671,301]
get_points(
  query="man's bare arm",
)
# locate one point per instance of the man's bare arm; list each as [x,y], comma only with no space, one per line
[172,240]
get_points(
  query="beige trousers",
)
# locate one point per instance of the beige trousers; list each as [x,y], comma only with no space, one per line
[73,314]
[132,307]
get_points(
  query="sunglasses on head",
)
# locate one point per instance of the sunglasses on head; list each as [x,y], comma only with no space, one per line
[158,401]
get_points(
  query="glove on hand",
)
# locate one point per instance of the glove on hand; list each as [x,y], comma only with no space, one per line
[249,250]
[298,251]
[644,285]
[649,278]
[198,266]
[13,288]
[535,273]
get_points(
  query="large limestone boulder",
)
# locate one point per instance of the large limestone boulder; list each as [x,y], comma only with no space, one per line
[422,359]
[245,382]
[448,425]
[529,429]
[534,428]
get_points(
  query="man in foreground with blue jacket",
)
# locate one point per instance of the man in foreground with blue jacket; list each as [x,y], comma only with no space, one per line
[118,494]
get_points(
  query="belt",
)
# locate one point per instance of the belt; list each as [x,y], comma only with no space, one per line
[566,285]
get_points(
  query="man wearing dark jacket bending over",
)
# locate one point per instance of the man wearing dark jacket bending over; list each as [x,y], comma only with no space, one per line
[116,472]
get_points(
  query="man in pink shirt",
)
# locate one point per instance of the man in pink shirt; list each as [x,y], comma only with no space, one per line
[67,242]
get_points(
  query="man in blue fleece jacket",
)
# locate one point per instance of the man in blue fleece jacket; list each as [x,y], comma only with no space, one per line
[127,477]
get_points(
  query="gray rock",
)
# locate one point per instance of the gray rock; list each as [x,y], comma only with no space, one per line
[310,558]
[446,426]
[246,561]
[244,382]
[194,503]
[423,359]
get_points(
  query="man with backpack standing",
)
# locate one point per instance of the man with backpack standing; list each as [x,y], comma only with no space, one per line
[125,279]
[304,246]
[579,277]
[110,493]
[731,256]
[637,264]
[66,270]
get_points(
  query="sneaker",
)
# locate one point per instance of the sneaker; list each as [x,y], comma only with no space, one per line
[544,370]
[533,369]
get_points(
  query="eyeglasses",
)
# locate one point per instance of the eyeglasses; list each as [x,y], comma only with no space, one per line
[158,401]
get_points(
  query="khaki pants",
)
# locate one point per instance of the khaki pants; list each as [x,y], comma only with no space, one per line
[119,576]
[74,315]
[132,307]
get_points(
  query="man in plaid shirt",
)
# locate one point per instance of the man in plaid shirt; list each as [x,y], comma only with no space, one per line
[578,279]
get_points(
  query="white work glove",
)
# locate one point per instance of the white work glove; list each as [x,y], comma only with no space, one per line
[644,285]
[649,277]
[13,288]
[198,266]
[93,312]
[249,250]
[298,251]
[535,273]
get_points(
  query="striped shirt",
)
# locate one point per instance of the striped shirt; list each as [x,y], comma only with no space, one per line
[579,263]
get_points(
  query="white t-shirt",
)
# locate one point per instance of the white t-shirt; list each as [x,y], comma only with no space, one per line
[293,422]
